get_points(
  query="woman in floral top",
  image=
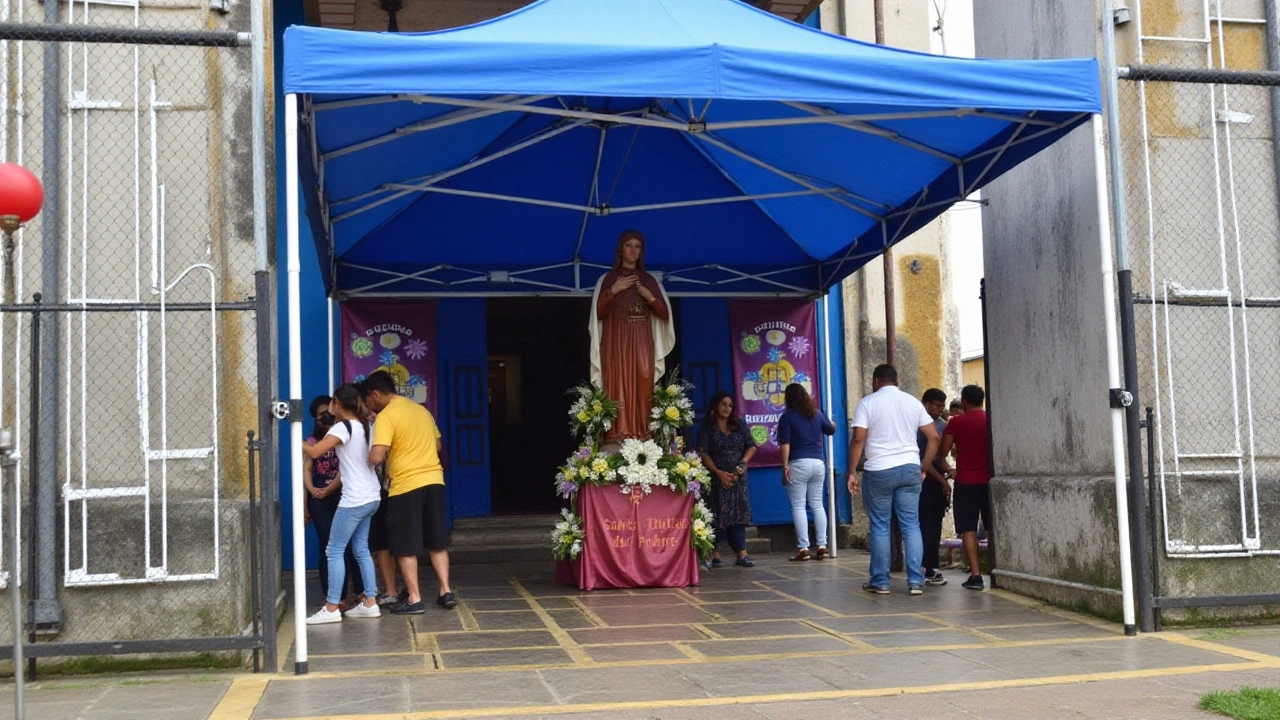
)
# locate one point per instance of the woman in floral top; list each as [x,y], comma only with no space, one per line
[726,447]
[324,490]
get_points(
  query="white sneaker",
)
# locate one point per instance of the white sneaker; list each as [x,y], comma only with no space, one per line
[324,616]
[364,611]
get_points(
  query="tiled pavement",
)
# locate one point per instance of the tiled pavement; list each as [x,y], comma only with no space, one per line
[778,640]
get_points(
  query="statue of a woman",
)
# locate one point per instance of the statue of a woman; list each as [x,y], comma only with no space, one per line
[631,335]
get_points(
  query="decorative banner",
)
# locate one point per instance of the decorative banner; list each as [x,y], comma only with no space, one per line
[633,540]
[775,343]
[398,336]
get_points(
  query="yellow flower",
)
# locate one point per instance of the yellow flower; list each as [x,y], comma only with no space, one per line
[600,465]
[682,468]
[672,413]
[672,390]
[597,406]
[582,416]
[583,472]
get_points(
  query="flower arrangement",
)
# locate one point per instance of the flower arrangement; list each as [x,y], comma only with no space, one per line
[672,409]
[587,466]
[567,537]
[638,467]
[686,472]
[703,530]
[641,466]
[591,414]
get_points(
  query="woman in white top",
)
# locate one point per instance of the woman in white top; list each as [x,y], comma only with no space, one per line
[349,437]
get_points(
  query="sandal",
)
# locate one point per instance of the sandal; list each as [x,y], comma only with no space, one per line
[801,556]
[822,554]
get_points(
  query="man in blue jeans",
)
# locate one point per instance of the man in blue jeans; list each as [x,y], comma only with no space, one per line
[884,426]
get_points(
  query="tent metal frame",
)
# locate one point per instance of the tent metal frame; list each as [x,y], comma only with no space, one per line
[524,282]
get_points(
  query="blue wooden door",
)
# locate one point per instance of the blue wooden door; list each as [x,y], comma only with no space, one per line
[468,422]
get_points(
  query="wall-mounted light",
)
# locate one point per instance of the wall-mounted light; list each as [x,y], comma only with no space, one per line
[1120,13]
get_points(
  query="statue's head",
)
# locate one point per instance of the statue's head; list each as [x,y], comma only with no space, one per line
[628,236]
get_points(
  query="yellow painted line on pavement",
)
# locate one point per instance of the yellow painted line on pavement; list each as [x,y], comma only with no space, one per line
[588,613]
[1040,606]
[466,616]
[241,699]
[690,652]
[818,695]
[401,672]
[284,638]
[566,641]
[1180,639]
[711,634]
[943,622]
[860,644]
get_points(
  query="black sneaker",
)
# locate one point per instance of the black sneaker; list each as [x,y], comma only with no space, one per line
[408,608]
[974,583]
[878,590]
[935,577]
[447,601]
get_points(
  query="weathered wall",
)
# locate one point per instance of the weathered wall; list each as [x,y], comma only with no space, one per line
[1046,345]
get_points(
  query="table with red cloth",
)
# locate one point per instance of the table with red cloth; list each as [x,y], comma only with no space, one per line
[632,540]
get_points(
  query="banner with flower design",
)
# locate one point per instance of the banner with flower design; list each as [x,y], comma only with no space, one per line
[398,336]
[775,343]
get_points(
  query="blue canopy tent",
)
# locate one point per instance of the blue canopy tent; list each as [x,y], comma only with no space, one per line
[759,157]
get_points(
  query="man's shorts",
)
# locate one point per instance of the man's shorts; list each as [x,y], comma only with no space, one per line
[416,521]
[378,527]
[970,502]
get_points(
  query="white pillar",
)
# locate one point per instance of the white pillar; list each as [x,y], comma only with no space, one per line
[832,544]
[333,377]
[295,382]
[1113,370]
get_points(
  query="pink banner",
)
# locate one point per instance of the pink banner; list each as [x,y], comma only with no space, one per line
[633,540]
[775,343]
[398,336]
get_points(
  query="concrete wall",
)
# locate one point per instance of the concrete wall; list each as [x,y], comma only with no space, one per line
[928,342]
[1046,343]
[117,397]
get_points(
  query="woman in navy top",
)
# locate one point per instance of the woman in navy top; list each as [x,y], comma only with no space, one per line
[800,431]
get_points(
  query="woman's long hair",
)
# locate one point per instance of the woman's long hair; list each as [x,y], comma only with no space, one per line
[622,239]
[348,396]
[709,421]
[798,400]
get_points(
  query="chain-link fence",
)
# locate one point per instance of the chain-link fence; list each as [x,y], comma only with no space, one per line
[129,339]
[1199,157]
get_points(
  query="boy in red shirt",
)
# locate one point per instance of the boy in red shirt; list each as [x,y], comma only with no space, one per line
[967,432]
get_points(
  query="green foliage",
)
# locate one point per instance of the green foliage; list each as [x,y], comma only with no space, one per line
[1247,703]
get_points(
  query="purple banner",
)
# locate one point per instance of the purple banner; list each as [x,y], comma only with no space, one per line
[398,336]
[775,343]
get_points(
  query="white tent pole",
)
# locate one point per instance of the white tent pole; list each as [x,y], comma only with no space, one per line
[333,377]
[1113,373]
[832,544]
[294,270]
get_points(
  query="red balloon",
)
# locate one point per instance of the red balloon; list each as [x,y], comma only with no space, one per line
[20,192]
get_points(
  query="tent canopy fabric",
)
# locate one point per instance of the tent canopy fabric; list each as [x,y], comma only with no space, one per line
[757,156]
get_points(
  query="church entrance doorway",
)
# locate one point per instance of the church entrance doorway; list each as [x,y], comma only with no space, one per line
[538,349]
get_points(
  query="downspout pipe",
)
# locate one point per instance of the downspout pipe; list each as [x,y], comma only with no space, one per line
[47,610]
[1126,398]
[265,314]
[1272,14]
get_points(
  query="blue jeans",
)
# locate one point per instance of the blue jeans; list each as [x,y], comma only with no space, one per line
[806,488]
[351,525]
[897,491]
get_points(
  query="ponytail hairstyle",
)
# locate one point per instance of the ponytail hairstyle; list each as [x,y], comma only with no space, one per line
[348,396]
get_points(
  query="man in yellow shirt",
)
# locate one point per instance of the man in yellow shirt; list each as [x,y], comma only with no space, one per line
[405,436]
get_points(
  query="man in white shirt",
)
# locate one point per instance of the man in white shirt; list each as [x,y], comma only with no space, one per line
[885,425]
